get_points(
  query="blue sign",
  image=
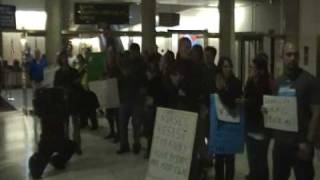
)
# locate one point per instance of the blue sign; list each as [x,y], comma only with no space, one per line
[225,137]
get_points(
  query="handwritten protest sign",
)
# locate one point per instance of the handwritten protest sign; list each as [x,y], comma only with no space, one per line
[226,137]
[112,93]
[281,113]
[48,75]
[107,92]
[172,145]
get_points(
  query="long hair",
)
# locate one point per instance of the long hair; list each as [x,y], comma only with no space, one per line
[197,53]
[261,64]
[183,43]
[221,62]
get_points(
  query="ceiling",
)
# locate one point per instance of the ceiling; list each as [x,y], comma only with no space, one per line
[169,6]
[181,2]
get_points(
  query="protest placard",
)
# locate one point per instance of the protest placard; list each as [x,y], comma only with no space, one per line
[172,145]
[227,136]
[107,92]
[281,113]
[96,66]
[112,93]
[48,75]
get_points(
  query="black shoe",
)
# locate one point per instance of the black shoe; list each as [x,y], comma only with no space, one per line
[57,163]
[93,128]
[123,150]
[247,177]
[136,148]
[35,177]
[82,126]
[147,155]
[110,136]
[78,150]
[115,140]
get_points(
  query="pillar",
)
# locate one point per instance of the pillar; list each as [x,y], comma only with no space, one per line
[291,13]
[53,29]
[1,44]
[1,39]
[227,35]
[148,17]
[309,36]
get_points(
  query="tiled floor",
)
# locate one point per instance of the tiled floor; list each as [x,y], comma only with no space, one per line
[98,162]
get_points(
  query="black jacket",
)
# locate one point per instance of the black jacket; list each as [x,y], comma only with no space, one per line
[232,91]
[254,91]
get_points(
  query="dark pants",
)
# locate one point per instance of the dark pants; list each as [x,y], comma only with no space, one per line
[136,112]
[225,167]
[89,114]
[58,153]
[112,116]
[257,151]
[148,125]
[76,137]
[285,157]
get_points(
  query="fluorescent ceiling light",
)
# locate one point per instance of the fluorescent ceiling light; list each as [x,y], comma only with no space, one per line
[31,20]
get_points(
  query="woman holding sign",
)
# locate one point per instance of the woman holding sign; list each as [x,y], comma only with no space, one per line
[257,140]
[229,91]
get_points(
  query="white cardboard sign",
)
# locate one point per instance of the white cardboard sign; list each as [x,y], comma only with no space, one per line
[172,145]
[281,113]
[107,92]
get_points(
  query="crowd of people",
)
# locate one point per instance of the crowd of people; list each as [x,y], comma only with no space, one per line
[185,82]
[9,74]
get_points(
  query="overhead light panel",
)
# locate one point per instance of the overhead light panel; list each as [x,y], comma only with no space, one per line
[31,20]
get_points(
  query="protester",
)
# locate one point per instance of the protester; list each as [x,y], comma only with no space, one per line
[259,83]
[112,114]
[154,98]
[88,103]
[165,60]
[229,91]
[132,99]
[72,59]
[68,78]
[295,150]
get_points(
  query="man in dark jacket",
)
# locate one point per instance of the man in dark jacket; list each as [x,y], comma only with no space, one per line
[132,91]
[68,78]
[296,149]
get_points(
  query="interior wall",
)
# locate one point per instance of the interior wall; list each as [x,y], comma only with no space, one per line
[267,17]
[309,30]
